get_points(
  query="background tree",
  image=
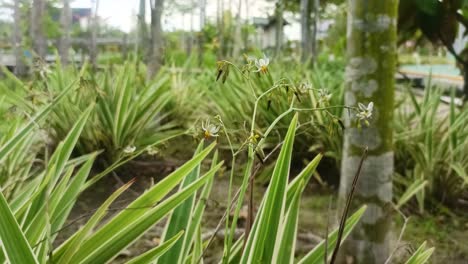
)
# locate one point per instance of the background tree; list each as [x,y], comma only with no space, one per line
[37,27]
[439,21]
[185,8]
[191,37]
[279,26]
[306,46]
[238,34]
[201,37]
[219,26]
[371,51]
[309,18]
[157,43]
[315,22]
[247,28]
[20,68]
[93,52]
[142,29]
[64,42]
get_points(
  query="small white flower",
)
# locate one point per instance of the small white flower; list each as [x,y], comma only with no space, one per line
[152,151]
[305,87]
[250,59]
[209,130]
[324,96]
[365,112]
[129,149]
[262,64]
[42,68]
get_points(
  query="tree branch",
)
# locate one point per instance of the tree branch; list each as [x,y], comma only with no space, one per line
[463,20]
[347,206]
[452,51]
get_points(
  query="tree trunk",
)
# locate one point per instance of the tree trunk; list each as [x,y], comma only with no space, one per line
[124,47]
[93,53]
[201,38]
[305,31]
[157,49]
[142,30]
[64,42]
[315,31]
[465,82]
[20,67]
[221,48]
[190,36]
[371,50]
[238,35]
[37,28]
[245,34]
[218,13]
[279,28]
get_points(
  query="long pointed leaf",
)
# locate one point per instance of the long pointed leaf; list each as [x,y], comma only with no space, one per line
[153,254]
[316,255]
[105,244]
[14,243]
[259,247]
[180,218]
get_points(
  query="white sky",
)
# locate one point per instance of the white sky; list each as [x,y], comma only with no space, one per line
[122,13]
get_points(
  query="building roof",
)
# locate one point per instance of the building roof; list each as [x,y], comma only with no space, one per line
[79,13]
[266,22]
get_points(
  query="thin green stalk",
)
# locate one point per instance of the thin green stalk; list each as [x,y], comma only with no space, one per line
[245,181]
[230,203]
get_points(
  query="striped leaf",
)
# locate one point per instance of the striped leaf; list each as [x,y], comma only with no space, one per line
[316,255]
[152,255]
[14,243]
[259,247]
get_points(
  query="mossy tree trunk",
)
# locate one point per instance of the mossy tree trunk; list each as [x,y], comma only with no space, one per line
[371,50]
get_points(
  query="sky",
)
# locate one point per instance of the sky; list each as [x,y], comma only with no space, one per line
[117,13]
[122,13]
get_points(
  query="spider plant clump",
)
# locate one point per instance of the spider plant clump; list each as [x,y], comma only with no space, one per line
[233,132]
[432,152]
[130,113]
[37,209]
[32,218]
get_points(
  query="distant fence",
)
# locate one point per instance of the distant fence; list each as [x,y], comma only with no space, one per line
[8,59]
